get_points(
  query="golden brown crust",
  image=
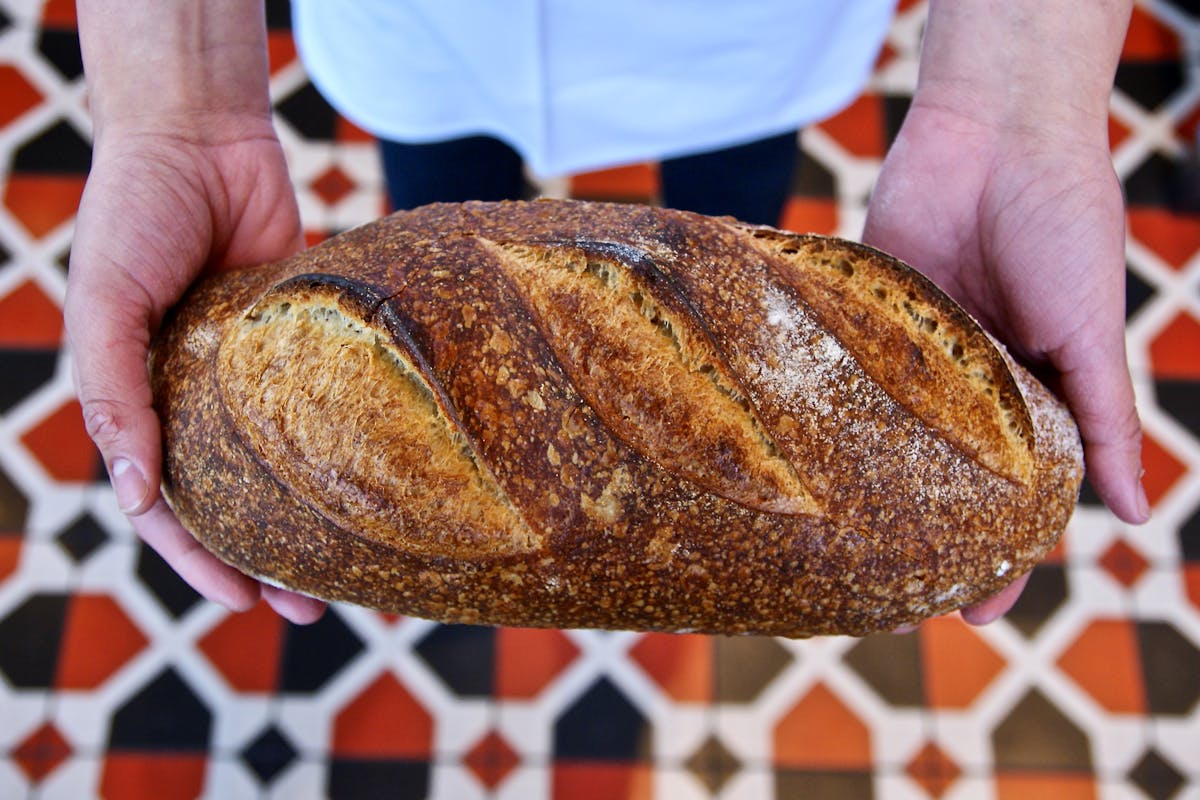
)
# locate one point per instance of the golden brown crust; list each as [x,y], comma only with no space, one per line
[659,421]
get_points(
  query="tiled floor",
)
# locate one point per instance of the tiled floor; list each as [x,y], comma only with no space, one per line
[117,680]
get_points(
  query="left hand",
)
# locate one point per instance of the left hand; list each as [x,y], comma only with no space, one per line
[1025,228]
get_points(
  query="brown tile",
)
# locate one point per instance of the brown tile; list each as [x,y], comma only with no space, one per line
[1036,735]
[1171,668]
[891,665]
[745,665]
[823,785]
[713,764]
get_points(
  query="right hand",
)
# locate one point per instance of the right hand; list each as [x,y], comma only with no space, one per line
[163,203]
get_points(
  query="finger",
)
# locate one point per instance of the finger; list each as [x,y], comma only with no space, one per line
[1098,389]
[212,578]
[997,605]
[293,607]
[109,343]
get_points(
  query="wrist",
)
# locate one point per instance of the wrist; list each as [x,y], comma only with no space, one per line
[196,69]
[1025,66]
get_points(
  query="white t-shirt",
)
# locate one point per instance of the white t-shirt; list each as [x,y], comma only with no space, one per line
[581,84]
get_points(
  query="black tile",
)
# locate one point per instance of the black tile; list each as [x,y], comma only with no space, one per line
[1180,399]
[825,785]
[308,112]
[1150,83]
[895,109]
[1037,736]
[355,778]
[1137,293]
[5,255]
[602,725]
[164,715]
[82,537]
[1156,777]
[171,591]
[313,654]
[813,179]
[1045,593]
[279,15]
[60,46]
[5,20]
[1170,668]
[1186,6]
[13,505]
[1189,537]
[30,637]
[891,665]
[1150,184]
[24,371]
[463,656]
[269,754]
[59,149]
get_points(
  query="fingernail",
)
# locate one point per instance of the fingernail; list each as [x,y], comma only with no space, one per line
[1143,503]
[129,485]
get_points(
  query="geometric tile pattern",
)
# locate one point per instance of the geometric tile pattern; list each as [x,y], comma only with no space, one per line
[118,680]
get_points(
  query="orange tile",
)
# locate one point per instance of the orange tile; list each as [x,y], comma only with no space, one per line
[1056,785]
[1163,469]
[59,14]
[10,555]
[384,721]
[1124,563]
[98,639]
[810,215]
[332,185]
[958,664]
[17,94]
[1174,237]
[822,733]
[935,771]
[682,664]
[152,776]
[491,760]
[281,50]
[346,131]
[1175,352]
[245,648]
[528,659]
[1104,662]
[1149,40]
[1117,132]
[860,128]
[61,444]
[28,318]
[42,752]
[599,781]
[43,202]
[638,181]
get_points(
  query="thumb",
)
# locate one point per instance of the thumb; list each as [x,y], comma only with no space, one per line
[1097,386]
[108,332]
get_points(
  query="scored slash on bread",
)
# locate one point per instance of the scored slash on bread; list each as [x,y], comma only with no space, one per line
[596,415]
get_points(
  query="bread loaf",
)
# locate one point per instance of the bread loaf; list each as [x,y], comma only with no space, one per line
[596,415]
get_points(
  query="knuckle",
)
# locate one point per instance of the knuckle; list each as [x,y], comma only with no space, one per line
[102,421]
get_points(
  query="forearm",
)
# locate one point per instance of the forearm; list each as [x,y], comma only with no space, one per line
[1023,63]
[187,65]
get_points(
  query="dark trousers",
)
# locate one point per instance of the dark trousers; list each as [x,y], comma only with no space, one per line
[748,181]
